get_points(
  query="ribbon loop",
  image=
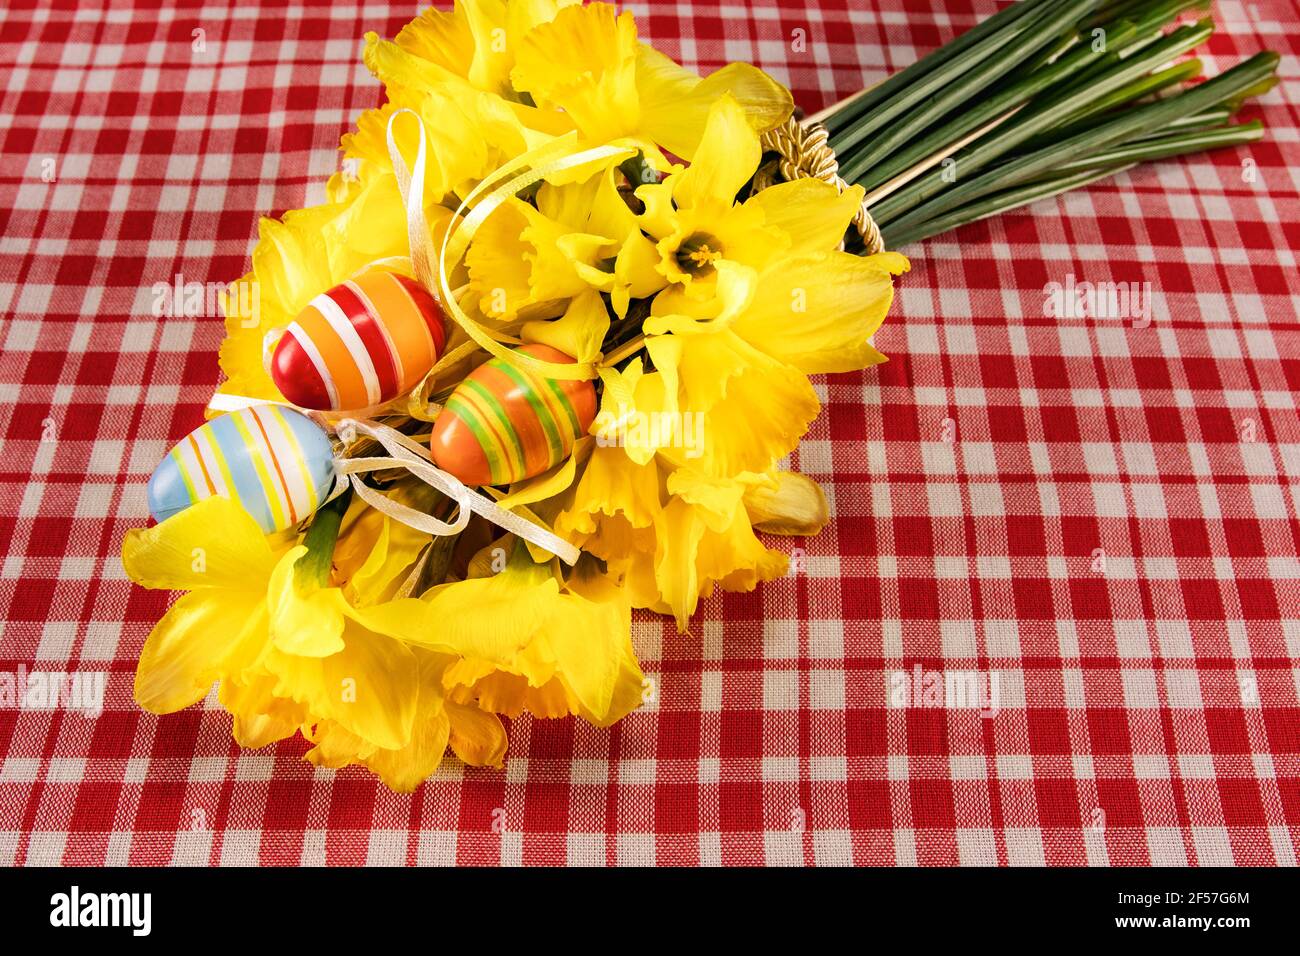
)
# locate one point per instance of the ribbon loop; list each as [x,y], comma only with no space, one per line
[416,459]
[352,467]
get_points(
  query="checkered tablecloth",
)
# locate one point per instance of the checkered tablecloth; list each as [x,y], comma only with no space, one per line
[1098,517]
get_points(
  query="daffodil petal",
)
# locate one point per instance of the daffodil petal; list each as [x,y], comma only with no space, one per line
[675,102]
[578,333]
[817,313]
[188,649]
[401,768]
[214,543]
[728,156]
[492,618]
[676,576]
[584,62]
[305,622]
[477,736]
[813,213]
[614,506]
[260,717]
[732,384]
[370,687]
[441,37]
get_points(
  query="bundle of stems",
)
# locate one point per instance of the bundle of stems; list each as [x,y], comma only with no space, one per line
[1042,97]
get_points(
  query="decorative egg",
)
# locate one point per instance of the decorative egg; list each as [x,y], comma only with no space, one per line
[362,343]
[504,424]
[274,462]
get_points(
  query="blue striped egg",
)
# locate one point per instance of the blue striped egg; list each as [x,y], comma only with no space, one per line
[274,462]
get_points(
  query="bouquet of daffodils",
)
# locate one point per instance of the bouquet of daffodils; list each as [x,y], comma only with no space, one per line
[539,358]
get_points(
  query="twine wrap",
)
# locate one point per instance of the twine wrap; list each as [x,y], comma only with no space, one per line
[804,152]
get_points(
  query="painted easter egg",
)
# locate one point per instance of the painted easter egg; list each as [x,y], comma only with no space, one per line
[274,462]
[362,343]
[504,424]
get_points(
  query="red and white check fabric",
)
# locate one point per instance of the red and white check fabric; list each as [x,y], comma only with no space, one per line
[1101,514]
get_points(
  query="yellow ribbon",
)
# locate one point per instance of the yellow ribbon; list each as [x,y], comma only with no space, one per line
[521,172]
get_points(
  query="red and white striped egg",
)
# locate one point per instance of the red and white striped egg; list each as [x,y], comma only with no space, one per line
[363,343]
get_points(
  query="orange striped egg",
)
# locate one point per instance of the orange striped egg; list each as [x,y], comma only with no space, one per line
[362,343]
[504,424]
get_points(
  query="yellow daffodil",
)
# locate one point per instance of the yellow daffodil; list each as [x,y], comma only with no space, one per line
[704,540]
[787,503]
[374,555]
[741,409]
[587,62]
[614,506]
[476,736]
[525,643]
[669,537]
[526,260]
[522,264]
[468,134]
[217,553]
[740,359]
[693,215]
[578,333]
[291,654]
[475,41]
[787,234]
[623,260]
[815,311]
[555,65]
[759,298]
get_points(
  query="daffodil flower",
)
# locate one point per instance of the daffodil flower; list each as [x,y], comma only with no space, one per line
[522,642]
[586,62]
[290,654]
[669,537]
[526,261]
[613,508]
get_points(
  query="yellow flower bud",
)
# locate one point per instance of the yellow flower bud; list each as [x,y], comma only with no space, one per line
[795,506]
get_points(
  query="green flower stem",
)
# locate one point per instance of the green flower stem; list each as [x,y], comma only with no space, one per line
[1215,117]
[1128,125]
[969,120]
[1149,16]
[899,81]
[1040,32]
[1074,175]
[1141,87]
[884,113]
[313,568]
[899,236]
[1162,147]
[1234,103]
[1044,116]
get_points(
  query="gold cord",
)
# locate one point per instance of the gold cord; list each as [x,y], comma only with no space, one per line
[804,152]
